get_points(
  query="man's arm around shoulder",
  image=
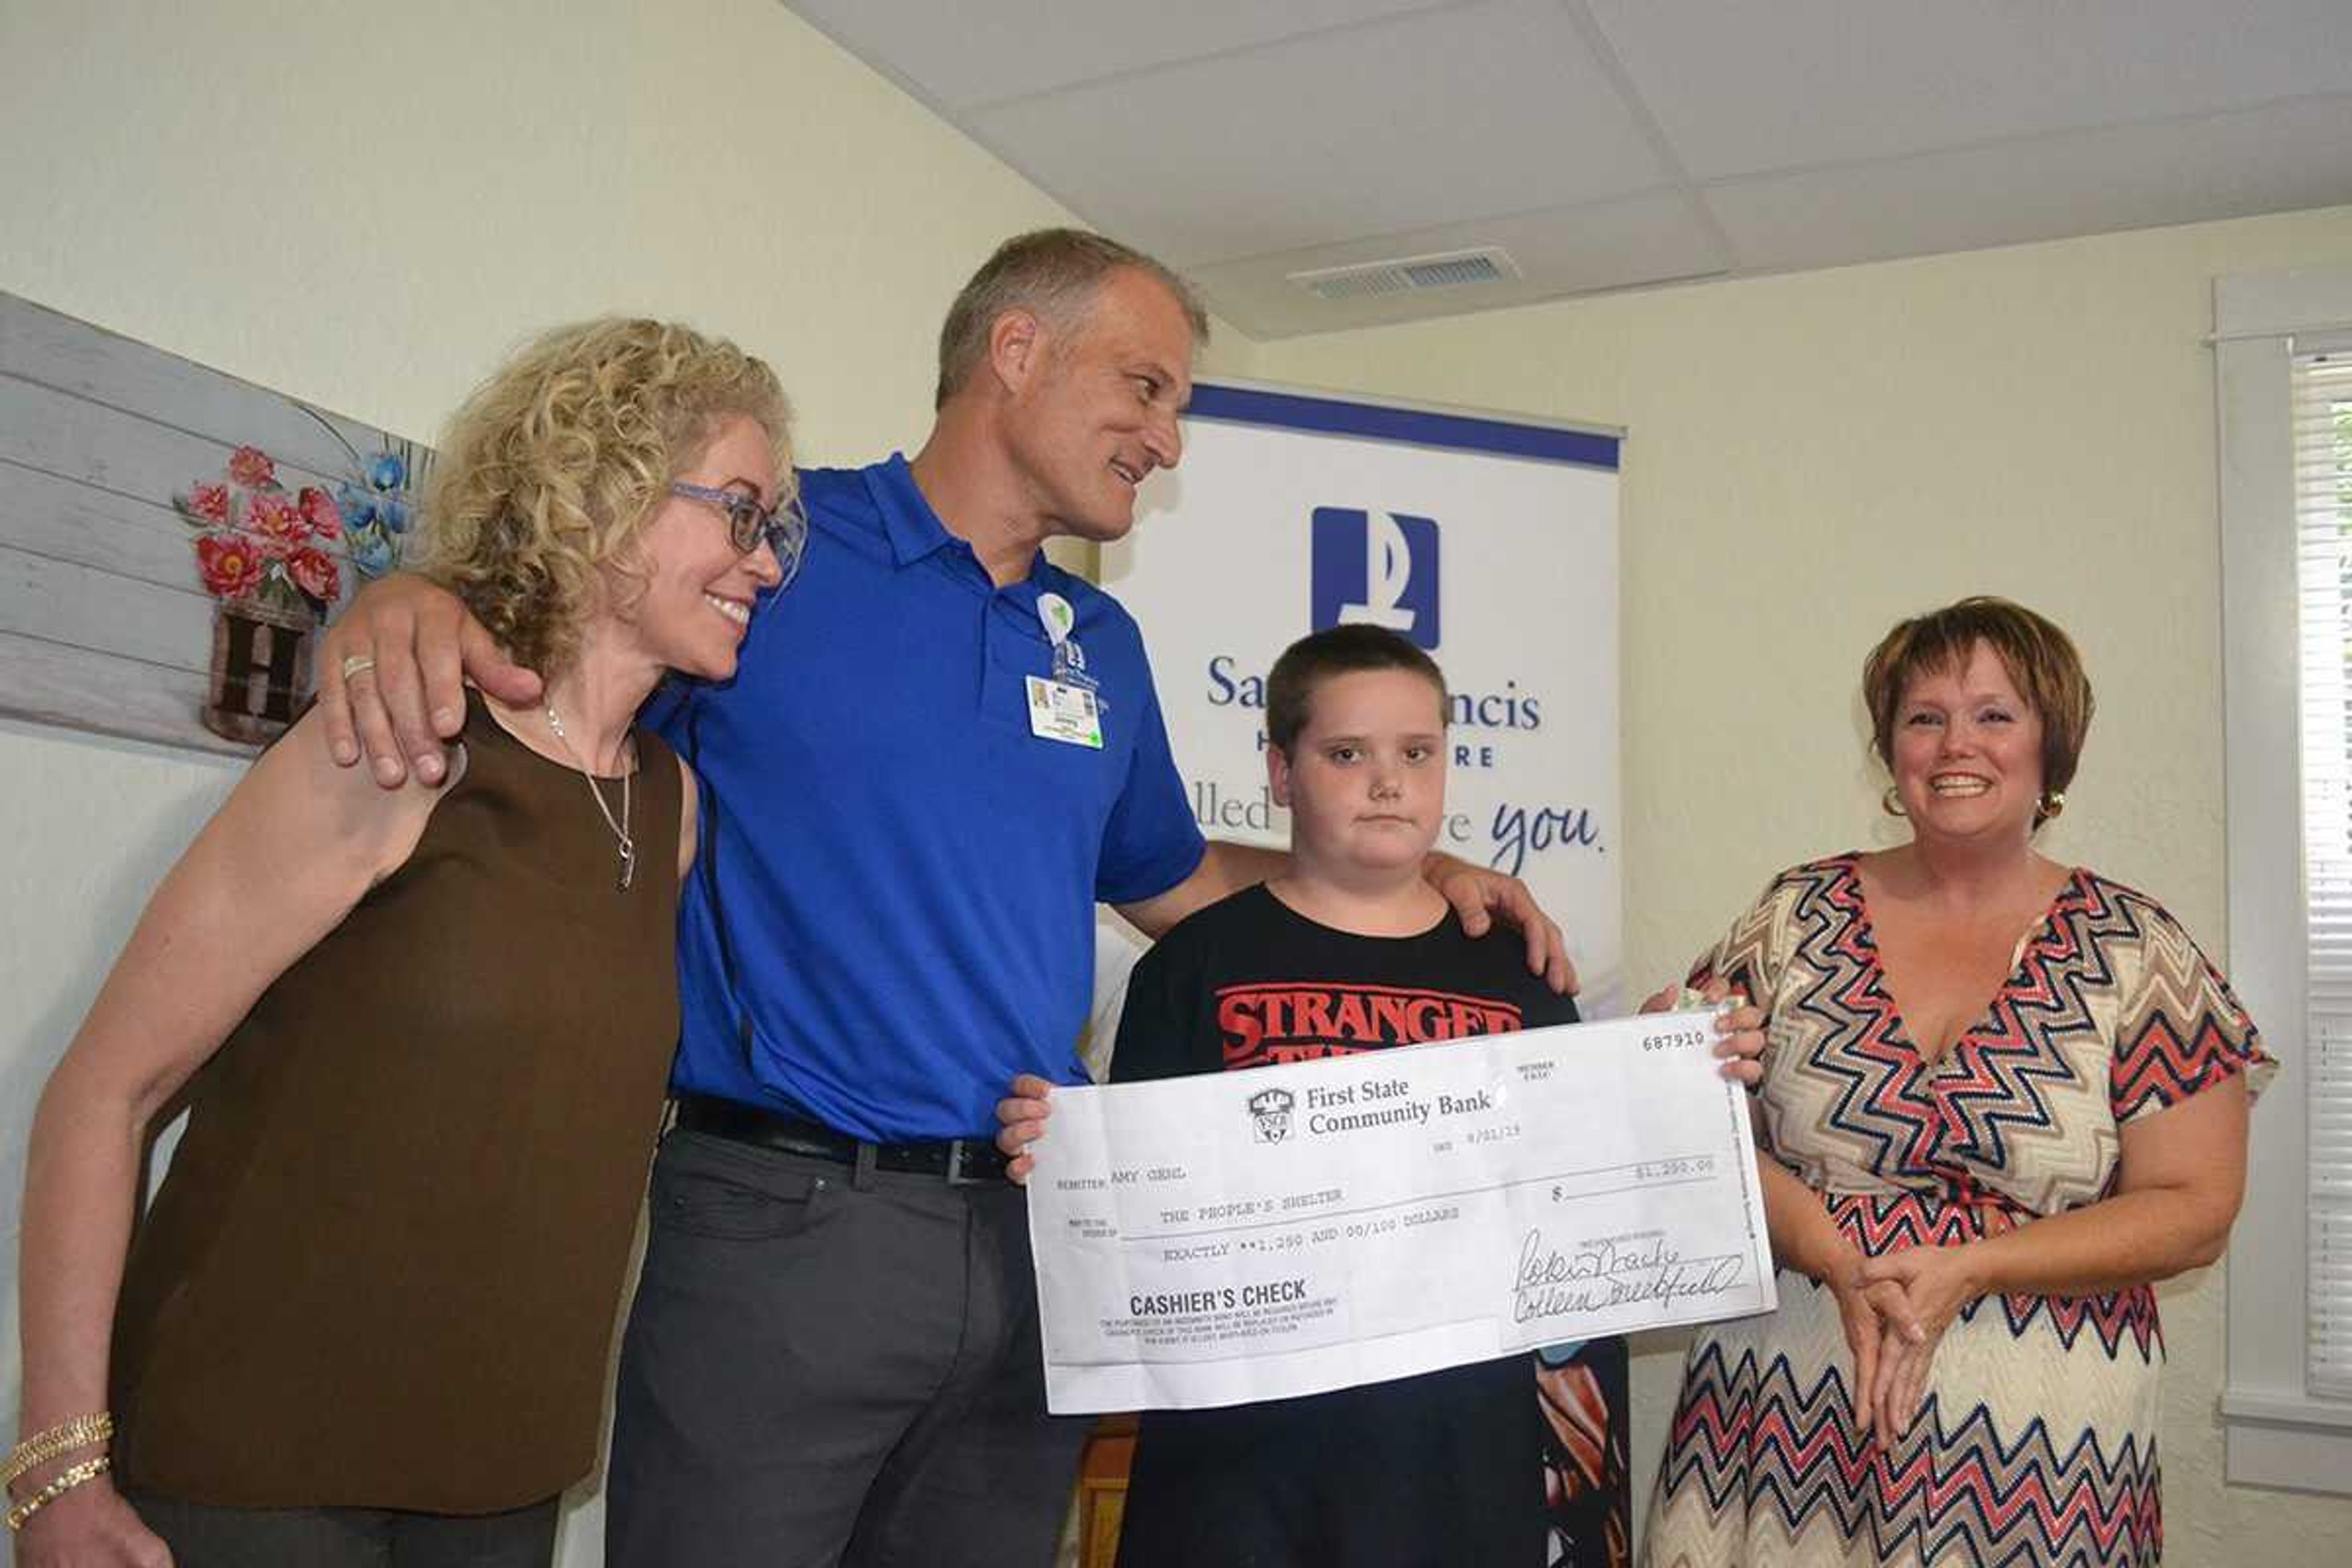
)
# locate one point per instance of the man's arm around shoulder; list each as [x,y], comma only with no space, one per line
[392,677]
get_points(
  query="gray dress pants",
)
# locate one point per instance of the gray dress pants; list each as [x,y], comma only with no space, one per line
[204,1537]
[826,1365]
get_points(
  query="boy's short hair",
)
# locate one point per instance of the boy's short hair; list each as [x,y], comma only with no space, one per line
[1337,651]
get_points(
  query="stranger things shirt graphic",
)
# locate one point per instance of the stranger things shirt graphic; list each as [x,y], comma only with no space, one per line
[1264,1025]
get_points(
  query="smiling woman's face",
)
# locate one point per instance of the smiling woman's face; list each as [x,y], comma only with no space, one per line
[700,590]
[1967,751]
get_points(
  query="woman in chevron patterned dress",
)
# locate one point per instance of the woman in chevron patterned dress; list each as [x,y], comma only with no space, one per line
[2002,1097]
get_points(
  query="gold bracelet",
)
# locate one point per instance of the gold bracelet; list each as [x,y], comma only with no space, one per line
[61,1483]
[62,1438]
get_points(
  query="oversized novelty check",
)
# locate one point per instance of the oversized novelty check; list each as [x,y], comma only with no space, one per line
[1292,1229]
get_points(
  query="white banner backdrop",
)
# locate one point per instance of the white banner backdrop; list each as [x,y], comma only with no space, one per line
[1490,541]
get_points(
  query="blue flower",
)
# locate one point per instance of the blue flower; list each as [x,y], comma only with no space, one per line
[392,515]
[389,471]
[372,551]
[357,505]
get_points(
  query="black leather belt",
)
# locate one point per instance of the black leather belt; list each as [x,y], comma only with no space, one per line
[959,1161]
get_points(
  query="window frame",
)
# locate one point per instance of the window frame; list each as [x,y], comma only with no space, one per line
[2278,1434]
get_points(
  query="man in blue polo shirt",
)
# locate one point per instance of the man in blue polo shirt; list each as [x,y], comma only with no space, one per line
[941,752]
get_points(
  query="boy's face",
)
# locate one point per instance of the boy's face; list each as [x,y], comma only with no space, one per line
[1365,781]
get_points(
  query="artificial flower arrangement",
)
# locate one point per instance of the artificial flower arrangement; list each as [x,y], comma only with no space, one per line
[257,545]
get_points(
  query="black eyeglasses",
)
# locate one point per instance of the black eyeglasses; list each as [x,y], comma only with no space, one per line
[748,522]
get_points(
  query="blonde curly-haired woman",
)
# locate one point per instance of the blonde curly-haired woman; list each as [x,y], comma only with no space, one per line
[423,1032]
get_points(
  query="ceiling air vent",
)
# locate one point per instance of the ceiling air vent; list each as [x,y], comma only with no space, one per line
[1370,279]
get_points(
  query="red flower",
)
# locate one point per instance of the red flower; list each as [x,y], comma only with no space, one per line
[251,466]
[209,502]
[231,566]
[319,511]
[315,574]
[271,515]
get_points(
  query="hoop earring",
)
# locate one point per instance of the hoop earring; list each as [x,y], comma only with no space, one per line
[1892,804]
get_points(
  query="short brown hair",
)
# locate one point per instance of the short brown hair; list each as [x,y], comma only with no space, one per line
[1052,273]
[2037,653]
[549,469]
[1310,661]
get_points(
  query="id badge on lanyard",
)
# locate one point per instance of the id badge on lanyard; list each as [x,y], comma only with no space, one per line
[1067,707]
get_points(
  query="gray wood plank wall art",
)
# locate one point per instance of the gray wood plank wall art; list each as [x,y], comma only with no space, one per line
[170,537]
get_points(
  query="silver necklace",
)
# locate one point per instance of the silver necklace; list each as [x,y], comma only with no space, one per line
[620,826]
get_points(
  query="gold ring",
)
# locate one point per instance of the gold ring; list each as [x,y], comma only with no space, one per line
[356,664]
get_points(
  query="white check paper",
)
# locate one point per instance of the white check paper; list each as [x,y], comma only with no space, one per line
[1288,1230]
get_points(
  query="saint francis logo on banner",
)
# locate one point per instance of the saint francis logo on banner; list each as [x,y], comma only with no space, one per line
[1377,568]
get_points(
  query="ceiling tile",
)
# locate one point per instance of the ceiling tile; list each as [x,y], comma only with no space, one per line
[1564,250]
[1415,122]
[2273,159]
[1796,83]
[963,56]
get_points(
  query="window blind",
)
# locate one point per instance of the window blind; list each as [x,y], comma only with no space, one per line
[2322,404]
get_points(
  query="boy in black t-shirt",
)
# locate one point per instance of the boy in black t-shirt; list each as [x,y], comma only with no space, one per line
[1347,950]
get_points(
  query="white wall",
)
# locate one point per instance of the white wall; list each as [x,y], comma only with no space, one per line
[1812,456]
[365,206]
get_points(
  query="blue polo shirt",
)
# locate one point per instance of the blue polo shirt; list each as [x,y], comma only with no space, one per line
[893,910]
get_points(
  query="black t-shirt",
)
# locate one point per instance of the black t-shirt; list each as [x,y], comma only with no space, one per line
[1434,1471]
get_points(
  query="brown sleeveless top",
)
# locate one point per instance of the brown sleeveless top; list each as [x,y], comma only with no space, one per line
[383,1268]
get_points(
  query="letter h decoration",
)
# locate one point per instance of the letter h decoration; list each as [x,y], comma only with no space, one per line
[260,669]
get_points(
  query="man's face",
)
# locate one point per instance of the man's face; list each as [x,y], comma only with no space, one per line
[1100,412]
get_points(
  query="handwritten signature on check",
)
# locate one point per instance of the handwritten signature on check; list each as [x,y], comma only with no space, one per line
[1551,1282]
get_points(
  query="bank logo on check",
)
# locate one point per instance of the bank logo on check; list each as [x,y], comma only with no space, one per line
[1270,1109]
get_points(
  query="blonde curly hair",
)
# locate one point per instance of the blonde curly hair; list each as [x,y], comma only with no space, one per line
[547,471]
